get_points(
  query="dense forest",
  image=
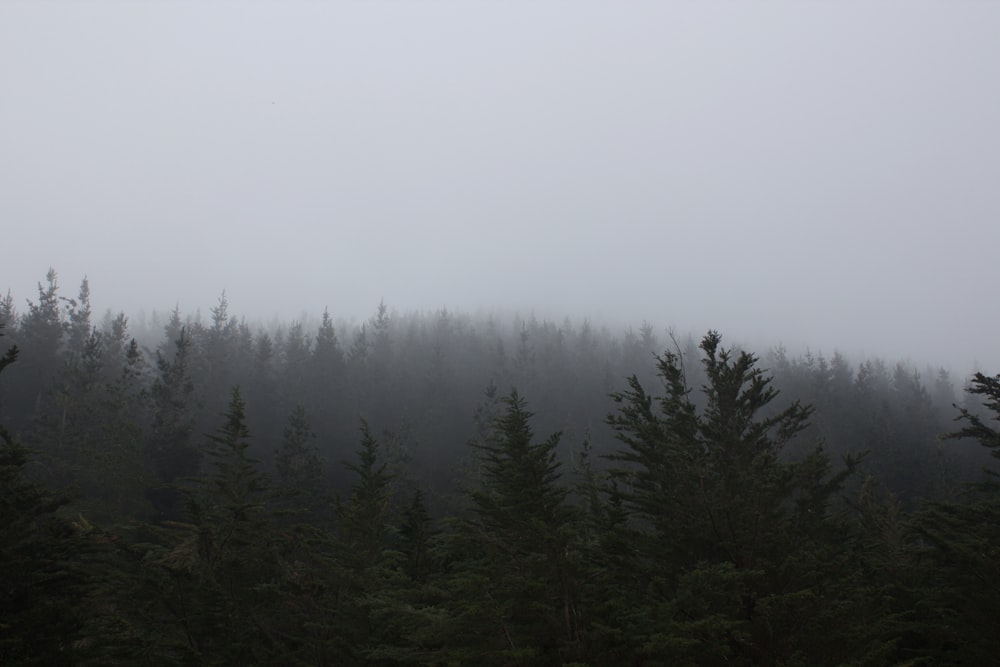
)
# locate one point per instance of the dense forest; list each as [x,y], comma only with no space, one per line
[442,489]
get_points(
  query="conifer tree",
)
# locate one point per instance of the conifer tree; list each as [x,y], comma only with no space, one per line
[988,388]
[415,537]
[327,382]
[328,357]
[715,508]
[44,582]
[961,539]
[299,466]
[217,578]
[40,337]
[8,312]
[173,452]
[514,578]
[296,356]
[363,518]
[78,314]
[349,608]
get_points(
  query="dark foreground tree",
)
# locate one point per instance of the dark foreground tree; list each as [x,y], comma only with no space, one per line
[346,592]
[959,545]
[209,590]
[974,426]
[44,582]
[723,558]
[513,583]
[174,454]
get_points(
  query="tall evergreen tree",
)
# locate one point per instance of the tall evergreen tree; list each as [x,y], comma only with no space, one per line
[78,315]
[174,454]
[299,466]
[514,578]
[44,581]
[715,508]
[961,540]
[215,581]
[327,382]
[40,337]
[349,609]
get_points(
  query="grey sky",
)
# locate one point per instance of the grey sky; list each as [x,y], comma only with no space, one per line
[815,173]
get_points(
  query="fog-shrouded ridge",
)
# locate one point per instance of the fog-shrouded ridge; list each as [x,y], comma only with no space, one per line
[423,376]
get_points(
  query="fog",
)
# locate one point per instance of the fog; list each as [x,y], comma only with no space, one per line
[820,174]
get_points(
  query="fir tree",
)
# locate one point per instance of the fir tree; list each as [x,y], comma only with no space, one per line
[298,464]
[514,578]
[173,452]
[216,579]
[78,314]
[961,539]
[45,583]
[716,508]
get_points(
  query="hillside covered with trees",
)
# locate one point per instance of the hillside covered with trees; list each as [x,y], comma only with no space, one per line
[443,489]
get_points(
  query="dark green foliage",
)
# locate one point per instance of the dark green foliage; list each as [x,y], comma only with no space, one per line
[713,534]
[39,336]
[214,581]
[958,544]
[363,517]
[415,539]
[9,357]
[513,583]
[174,454]
[519,477]
[298,464]
[44,584]
[328,357]
[975,427]
[351,614]
[715,507]
[42,327]
[78,327]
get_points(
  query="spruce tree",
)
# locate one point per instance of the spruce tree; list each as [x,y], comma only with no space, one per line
[45,582]
[174,454]
[349,608]
[956,619]
[299,466]
[216,580]
[514,577]
[720,521]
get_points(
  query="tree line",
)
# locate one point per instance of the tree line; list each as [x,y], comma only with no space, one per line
[378,495]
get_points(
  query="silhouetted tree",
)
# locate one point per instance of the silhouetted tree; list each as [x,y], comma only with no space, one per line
[174,454]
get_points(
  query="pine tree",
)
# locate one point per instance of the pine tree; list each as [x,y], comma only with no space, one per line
[328,357]
[40,337]
[349,608]
[514,580]
[975,428]
[8,312]
[299,466]
[363,518]
[327,382]
[961,540]
[78,314]
[215,581]
[715,508]
[173,452]
[43,576]
[415,538]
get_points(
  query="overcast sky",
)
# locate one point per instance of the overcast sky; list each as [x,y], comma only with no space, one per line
[821,173]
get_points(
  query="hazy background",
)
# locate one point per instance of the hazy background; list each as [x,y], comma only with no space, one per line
[813,173]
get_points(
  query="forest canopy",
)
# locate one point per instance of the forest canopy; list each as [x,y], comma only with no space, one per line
[440,488]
